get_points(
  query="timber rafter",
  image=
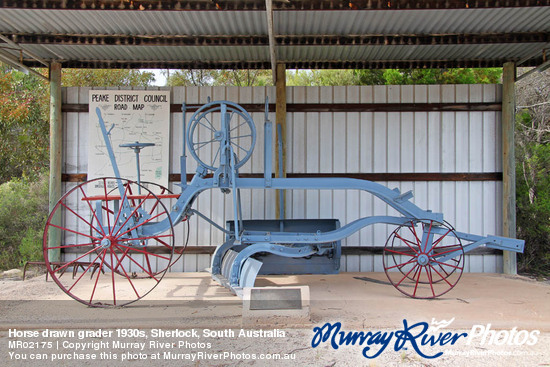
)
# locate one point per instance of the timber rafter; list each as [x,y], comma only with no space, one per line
[282,40]
[196,5]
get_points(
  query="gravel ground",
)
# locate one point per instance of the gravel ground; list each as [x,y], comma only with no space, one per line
[20,310]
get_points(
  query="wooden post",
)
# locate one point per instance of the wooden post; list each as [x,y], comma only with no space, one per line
[280,120]
[508,163]
[56,142]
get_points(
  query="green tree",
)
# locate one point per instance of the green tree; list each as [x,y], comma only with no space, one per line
[321,77]
[393,76]
[200,78]
[106,78]
[370,77]
[24,153]
[533,171]
[244,78]
[188,78]
[23,212]
[24,125]
[442,76]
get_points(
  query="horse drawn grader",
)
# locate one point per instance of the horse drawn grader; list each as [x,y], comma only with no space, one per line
[124,236]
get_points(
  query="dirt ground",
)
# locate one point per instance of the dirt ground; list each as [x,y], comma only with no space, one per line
[506,319]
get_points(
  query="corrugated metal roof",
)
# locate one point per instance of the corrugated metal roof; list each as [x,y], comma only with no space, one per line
[413,21]
[132,22]
[482,36]
[154,53]
[396,53]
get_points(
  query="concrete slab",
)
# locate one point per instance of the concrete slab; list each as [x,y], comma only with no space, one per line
[353,298]
[192,303]
[287,305]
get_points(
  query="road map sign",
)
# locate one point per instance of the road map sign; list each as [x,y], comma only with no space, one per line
[130,116]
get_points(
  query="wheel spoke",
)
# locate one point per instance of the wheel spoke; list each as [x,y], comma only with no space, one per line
[429,274]
[120,209]
[236,127]
[122,258]
[216,156]
[428,236]
[85,271]
[145,238]
[162,242]
[97,277]
[211,128]
[406,275]
[448,246]
[241,136]
[209,123]
[75,260]
[142,268]
[231,116]
[132,214]
[126,275]
[138,225]
[398,252]
[442,277]
[446,252]
[75,245]
[148,263]
[407,243]
[238,146]
[413,231]
[143,252]
[112,277]
[107,204]
[416,285]
[75,232]
[434,245]
[90,205]
[402,264]
[452,266]
[84,220]
[445,271]
[203,143]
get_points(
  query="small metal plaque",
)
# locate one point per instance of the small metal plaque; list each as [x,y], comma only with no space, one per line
[275,299]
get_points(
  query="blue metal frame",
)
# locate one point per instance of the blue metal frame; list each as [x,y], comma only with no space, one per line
[226,178]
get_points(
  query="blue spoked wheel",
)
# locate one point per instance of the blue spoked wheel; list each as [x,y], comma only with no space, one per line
[215,124]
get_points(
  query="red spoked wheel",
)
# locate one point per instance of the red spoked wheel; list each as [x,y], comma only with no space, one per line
[118,256]
[164,195]
[423,259]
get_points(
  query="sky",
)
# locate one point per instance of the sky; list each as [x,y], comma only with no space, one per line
[160,78]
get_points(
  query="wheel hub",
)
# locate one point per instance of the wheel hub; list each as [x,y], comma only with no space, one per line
[105,243]
[423,259]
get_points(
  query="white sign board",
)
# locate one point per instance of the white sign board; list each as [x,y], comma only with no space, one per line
[130,116]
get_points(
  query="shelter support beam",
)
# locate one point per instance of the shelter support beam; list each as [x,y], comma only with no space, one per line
[271,35]
[56,142]
[280,124]
[508,164]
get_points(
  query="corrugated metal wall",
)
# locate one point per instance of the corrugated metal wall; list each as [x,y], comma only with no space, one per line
[348,142]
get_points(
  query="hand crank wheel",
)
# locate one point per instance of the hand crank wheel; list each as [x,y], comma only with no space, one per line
[216,124]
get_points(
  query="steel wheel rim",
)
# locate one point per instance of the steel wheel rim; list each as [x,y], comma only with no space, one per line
[419,272]
[114,248]
[447,273]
